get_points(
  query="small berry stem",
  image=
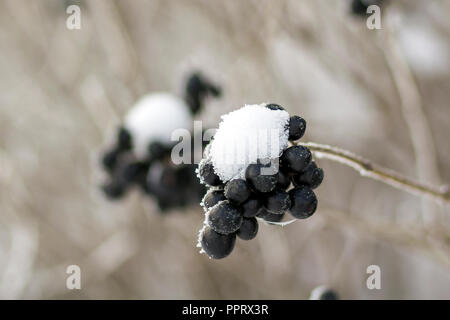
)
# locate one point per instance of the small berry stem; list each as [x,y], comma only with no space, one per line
[366,168]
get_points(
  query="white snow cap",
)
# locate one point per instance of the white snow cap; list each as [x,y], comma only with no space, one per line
[250,133]
[154,118]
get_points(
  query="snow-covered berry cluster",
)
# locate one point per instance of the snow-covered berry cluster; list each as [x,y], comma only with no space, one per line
[251,172]
[141,153]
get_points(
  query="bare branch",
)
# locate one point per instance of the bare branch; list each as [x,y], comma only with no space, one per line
[366,168]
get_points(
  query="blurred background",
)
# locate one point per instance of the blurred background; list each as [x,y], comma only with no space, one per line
[383,94]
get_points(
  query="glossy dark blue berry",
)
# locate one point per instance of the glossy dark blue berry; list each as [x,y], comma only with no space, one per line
[224,218]
[259,181]
[237,191]
[248,229]
[312,176]
[269,216]
[304,202]
[216,245]
[273,106]
[212,198]
[278,202]
[296,158]
[251,206]
[207,174]
[297,128]
[283,180]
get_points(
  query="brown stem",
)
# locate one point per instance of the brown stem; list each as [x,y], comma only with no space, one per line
[366,168]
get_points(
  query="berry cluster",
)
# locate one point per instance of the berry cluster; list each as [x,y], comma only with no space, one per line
[170,185]
[140,156]
[232,207]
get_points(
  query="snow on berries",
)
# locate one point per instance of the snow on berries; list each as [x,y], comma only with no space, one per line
[252,174]
[153,118]
[141,152]
[241,140]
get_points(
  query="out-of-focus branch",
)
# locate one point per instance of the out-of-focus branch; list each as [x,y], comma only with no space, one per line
[431,242]
[366,168]
[413,111]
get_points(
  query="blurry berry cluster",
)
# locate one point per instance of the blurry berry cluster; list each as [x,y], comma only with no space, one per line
[232,208]
[152,170]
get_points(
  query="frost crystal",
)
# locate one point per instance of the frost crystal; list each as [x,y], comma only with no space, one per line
[154,118]
[250,133]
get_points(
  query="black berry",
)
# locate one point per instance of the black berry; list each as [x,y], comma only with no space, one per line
[217,245]
[297,128]
[248,229]
[207,174]
[157,150]
[251,206]
[237,191]
[278,202]
[224,218]
[109,159]
[197,88]
[162,183]
[259,181]
[273,106]
[283,180]
[124,140]
[296,158]
[269,216]
[212,198]
[328,295]
[304,202]
[114,190]
[312,176]
[323,293]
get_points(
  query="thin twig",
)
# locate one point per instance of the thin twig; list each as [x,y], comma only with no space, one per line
[366,168]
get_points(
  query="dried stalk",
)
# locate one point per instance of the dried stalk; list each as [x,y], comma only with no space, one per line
[366,168]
